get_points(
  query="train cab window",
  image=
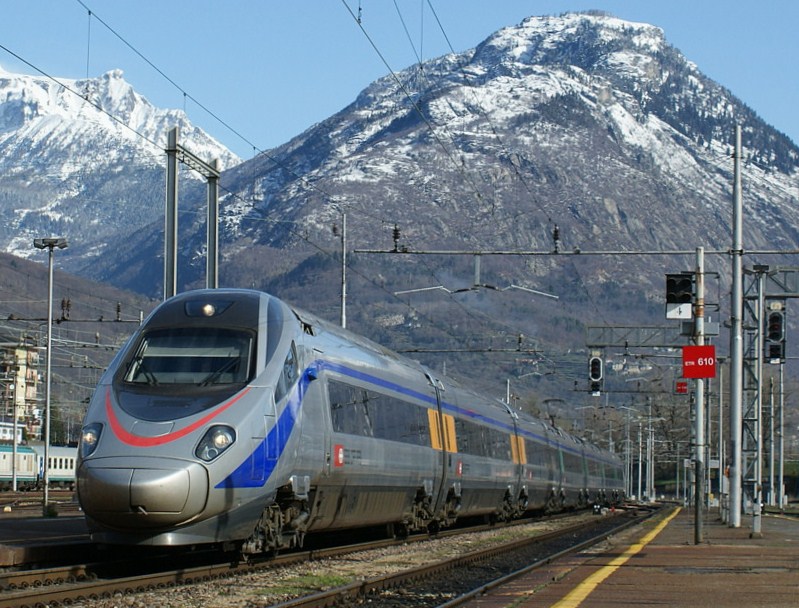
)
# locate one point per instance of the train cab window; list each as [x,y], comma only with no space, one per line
[289,374]
[199,356]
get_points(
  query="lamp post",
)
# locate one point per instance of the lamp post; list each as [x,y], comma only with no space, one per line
[14,442]
[640,462]
[650,444]
[628,463]
[50,244]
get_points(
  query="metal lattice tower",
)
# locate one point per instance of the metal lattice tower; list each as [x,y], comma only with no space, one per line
[765,285]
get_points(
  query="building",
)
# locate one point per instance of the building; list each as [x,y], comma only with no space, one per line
[19,387]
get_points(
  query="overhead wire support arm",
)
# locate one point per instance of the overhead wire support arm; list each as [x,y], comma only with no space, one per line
[476,284]
[519,349]
[523,252]
[58,321]
[474,288]
[477,253]
[575,252]
[207,170]
[175,152]
[526,351]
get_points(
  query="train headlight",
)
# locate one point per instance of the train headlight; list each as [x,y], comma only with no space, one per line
[89,438]
[214,442]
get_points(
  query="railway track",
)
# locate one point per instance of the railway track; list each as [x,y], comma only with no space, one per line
[28,504]
[68,584]
[451,582]
[92,584]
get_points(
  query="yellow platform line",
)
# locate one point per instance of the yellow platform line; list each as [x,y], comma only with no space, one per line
[578,595]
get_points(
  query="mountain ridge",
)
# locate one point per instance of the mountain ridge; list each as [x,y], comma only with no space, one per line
[78,155]
[581,123]
[374,122]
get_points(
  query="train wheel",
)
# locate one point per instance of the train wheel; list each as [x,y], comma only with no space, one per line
[398,530]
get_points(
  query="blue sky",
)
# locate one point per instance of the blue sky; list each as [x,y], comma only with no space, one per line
[271,69]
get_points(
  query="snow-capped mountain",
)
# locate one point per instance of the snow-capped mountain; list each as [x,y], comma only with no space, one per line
[84,159]
[581,122]
[585,121]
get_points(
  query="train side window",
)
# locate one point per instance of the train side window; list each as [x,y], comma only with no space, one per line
[347,409]
[480,440]
[397,420]
[358,411]
[288,376]
[500,445]
[572,462]
[465,432]
[537,453]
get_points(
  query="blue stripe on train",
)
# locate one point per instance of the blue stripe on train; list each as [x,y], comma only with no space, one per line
[259,465]
[256,469]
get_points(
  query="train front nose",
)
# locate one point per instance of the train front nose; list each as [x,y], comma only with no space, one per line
[142,493]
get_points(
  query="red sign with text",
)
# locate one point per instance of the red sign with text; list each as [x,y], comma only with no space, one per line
[699,361]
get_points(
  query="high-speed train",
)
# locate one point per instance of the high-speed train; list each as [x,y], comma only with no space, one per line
[232,418]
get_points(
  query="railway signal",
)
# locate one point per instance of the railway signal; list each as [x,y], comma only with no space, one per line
[595,374]
[679,295]
[774,343]
[775,331]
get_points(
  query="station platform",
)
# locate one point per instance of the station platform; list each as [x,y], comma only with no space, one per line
[659,564]
[26,540]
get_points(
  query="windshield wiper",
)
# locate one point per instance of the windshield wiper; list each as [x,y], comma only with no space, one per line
[141,371]
[214,375]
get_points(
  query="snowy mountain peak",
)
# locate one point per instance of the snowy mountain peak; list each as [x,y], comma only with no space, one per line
[85,158]
[602,120]
[625,70]
[534,38]
[40,106]
[586,118]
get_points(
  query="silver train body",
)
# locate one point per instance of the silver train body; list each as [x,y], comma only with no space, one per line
[232,418]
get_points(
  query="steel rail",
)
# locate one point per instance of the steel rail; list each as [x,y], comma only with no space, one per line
[357,591]
[80,582]
[503,580]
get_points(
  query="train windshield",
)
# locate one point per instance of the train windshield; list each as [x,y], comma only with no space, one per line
[198,356]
